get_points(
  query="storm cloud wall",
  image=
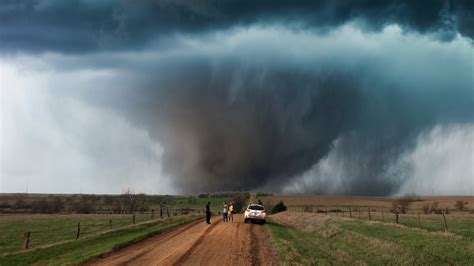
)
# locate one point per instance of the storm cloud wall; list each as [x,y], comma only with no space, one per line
[287,96]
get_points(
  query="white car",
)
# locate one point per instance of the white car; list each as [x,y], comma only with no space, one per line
[255,213]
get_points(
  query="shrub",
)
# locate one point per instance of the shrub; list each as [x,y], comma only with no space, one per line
[426,209]
[239,200]
[401,205]
[434,208]
[460,205]
[279,207]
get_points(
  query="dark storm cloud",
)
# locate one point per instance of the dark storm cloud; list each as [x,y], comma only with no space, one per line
[247,95]
[231,120]
[82,25]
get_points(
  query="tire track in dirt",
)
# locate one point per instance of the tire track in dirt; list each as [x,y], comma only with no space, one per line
[255,260]
[195,245]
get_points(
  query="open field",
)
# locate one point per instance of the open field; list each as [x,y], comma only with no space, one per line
[53,228]
[84,249]
[380,202]
[314,230]
[311,238]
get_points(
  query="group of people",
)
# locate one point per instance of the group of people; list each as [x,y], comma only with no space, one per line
[227,212]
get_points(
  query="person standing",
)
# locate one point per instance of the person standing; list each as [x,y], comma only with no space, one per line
[225,212]
[208,213]
[231,212]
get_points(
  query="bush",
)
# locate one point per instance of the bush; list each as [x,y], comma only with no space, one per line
[279,207]
[426,209]
[460,205]
[434,208]
[401,205]
[239,200]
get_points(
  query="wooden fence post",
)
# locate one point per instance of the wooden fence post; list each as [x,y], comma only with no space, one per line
[133,219]
[350,212]
[152,213]
[26,240]
[370,217]
[161,210]
[78,230]
[419,220]
[445,223]
[396,217]
[110,224]
[168,211]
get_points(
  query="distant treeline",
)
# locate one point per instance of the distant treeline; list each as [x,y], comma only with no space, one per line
[126,202]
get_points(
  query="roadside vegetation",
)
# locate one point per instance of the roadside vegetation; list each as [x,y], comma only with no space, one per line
[87,248]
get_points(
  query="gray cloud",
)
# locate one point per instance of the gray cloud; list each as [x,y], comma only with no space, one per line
[253,98]
[260,115]
[79,25]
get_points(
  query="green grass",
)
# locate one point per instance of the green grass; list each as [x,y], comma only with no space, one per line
[351,241]
[458,224]
[84,249]
[47,229]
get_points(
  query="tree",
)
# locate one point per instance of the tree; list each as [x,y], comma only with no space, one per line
[239,200]
[56,205]
[141,204]
[461,205]
[401,205]
[279,207]
[85,204]
[128,200]
[426,209]
[19,201]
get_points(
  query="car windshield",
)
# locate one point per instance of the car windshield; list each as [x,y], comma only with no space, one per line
[256,208]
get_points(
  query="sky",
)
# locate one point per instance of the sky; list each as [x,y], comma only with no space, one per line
[297,97]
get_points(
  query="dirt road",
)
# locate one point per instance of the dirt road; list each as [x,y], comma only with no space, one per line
[198,243]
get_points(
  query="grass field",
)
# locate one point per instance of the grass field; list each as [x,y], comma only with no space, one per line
[49,229]
[310,238]
[84,249]
[53,228]
[296,201]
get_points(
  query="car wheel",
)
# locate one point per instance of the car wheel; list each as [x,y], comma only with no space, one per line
[246,220]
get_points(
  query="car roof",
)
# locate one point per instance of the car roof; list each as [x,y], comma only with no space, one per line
[252,204]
